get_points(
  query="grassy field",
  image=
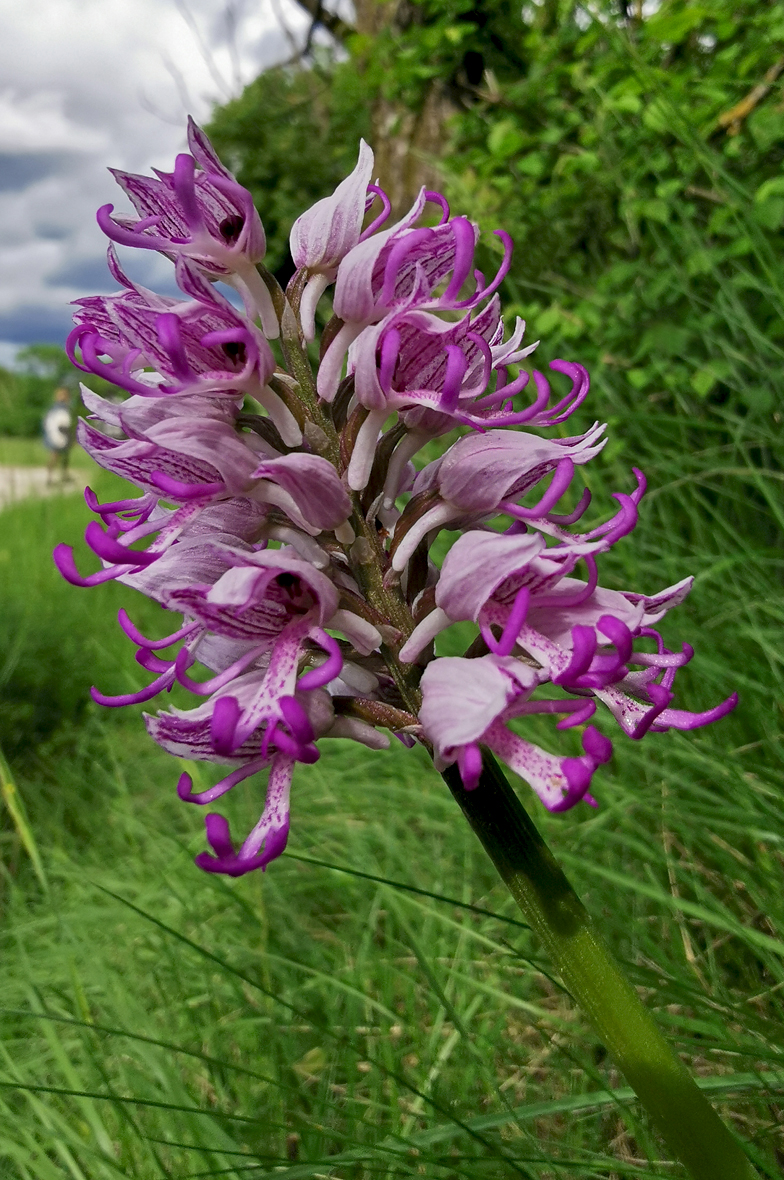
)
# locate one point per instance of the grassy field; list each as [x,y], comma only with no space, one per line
[371,1007]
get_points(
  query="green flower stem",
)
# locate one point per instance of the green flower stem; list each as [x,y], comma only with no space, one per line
[692,1130]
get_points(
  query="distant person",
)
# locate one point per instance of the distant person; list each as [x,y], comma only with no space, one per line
[58,435]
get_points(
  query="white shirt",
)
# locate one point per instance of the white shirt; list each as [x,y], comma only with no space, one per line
[57,428]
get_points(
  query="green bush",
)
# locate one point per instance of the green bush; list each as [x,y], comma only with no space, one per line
[55,639]
[26,392]
[647,221]
[24,399]
[291,137]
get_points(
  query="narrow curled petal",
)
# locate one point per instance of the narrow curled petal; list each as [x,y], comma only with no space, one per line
[164,681]
[185,784]
[327,671]
[64,560]
[267,839]
[204,214]
[637,717]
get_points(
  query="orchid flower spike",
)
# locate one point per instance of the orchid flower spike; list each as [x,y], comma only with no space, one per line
[280,518]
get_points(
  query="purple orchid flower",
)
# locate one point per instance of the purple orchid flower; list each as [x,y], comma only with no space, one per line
[176,462]
[258,595]
[436,375]
[196,347]
[579,635]
[468,702]
[270,518]
[276,603]
[198,211]
[485,572]
[402,268]
[482,475]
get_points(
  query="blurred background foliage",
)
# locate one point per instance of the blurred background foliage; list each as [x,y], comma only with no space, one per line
[292,136]
[26,391]
[635,162]
[314,1022]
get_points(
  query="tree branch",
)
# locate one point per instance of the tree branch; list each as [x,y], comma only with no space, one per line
[334,24]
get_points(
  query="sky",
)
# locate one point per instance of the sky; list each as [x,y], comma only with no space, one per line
[85,84]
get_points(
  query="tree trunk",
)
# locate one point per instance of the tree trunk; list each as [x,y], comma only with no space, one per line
[408,143]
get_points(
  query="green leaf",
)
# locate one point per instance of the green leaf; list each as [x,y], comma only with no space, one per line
[766,125]
[668,188]
[654,209]
[704,379]
[701,262]
[505,139]
[712,917]
[665,339]
[574,1103]
[532,164]
[549,319]
[657,116]
[629,104]
[570,165]
[638,378]
[456,33]
[770,213]
[674,25]
[774,187]
[13,801]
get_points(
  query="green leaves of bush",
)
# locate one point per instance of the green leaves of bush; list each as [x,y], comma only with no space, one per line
[606,161]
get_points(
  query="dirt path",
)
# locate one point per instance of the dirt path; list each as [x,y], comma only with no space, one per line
[17,483]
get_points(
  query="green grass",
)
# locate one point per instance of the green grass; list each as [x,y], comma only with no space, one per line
[348,1013]
[31,452]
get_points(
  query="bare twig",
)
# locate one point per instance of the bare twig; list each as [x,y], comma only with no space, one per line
[333,23]
[732,120]
[204,48]
[706,194]
[312,29]
[232,15]
[186,101]
[297,51]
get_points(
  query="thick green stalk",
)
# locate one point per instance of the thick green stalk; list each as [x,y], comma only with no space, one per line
[688,1123]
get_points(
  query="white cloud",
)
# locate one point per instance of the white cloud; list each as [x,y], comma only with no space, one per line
[37,122]
[92,83]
